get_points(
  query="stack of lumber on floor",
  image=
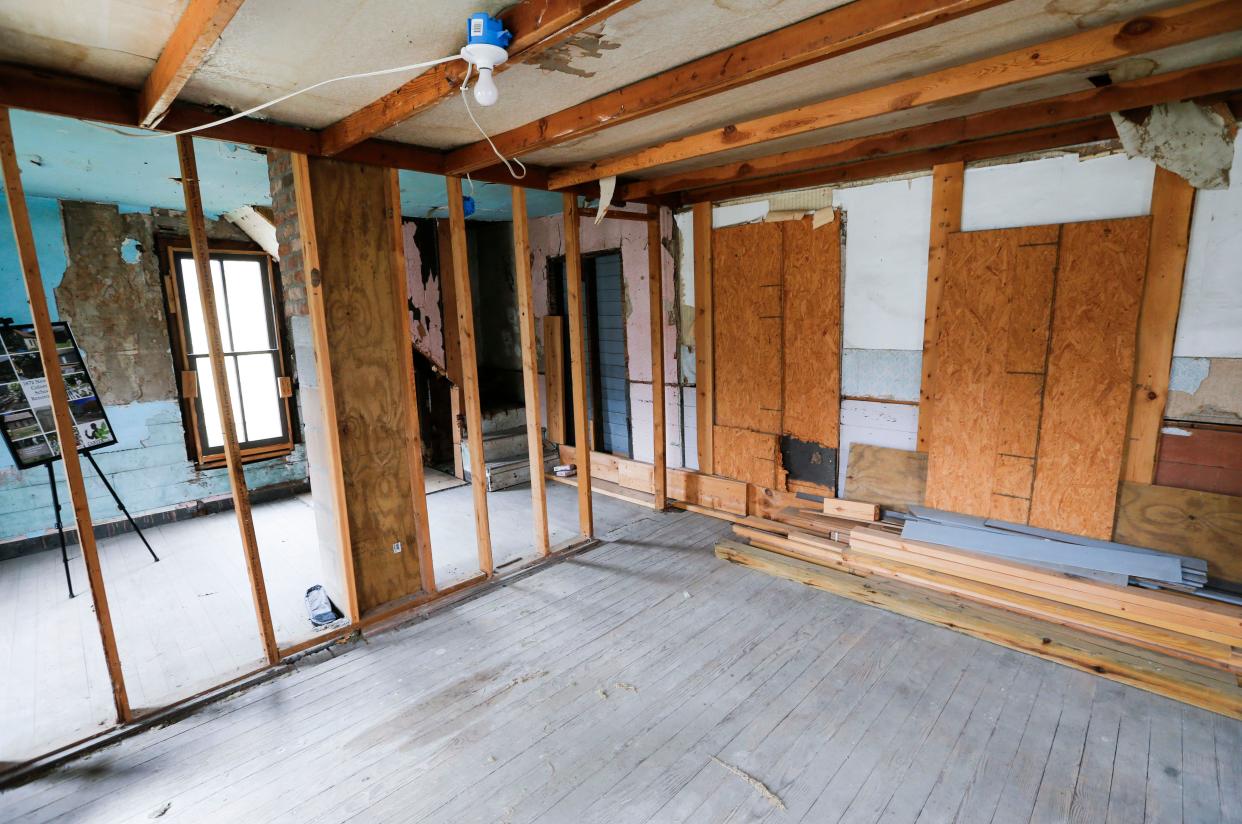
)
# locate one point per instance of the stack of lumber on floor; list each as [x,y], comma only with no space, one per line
[1116,563]
[1170,643]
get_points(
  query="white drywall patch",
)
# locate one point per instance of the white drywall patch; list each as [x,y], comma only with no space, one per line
[887,228]
[1210,322]
[1060,189]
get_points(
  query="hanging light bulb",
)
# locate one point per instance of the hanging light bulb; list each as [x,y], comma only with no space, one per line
[486,40]
[485,91]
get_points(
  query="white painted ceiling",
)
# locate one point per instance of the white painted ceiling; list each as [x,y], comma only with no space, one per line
[272,47]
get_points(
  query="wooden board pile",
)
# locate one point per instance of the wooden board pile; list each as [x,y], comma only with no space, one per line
[1169,642]
[1105,561]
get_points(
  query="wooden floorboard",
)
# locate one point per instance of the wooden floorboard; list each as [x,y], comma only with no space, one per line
[603,688]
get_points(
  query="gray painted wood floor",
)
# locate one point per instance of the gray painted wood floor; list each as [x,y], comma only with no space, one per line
[610,687]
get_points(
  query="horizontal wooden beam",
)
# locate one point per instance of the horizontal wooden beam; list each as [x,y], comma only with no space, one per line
[1095,48]
[197,31]
[1216,78]
[37,90]
[536,25]
[832,33]
[1035,140]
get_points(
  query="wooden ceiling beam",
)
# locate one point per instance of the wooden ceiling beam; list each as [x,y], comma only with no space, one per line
[1216,78]
[197,31]
[536,26]
[830,34]
[47,92]
[1096,47]
[1036,140]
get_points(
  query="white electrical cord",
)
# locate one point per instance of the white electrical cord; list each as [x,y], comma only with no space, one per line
[283,98]
[359,76]
[465,84]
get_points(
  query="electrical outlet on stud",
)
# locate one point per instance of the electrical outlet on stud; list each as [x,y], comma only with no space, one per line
[485,49]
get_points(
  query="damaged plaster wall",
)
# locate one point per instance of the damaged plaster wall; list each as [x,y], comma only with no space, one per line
[547,239]
[106,283]
[423,286]
[126,351]
[1207,352]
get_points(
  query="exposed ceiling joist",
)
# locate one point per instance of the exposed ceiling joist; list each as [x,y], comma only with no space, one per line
[36,90]
[1035,140]
[835,32]
[197,31]
[1201,81]
[536,25]
[1096,47]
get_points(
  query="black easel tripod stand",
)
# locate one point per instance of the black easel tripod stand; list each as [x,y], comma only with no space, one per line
[60,527]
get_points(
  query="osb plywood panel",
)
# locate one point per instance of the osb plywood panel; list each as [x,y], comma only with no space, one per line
[1030,303]
[1090,372]
[1013,476]
[1019,414]
[1008,508]
[366,331]
[812,345]
[746,275]
[972,335]
[745,455]
[892,478]
[1184,521]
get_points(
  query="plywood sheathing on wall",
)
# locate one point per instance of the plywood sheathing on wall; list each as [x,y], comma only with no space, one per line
[1090,375]
[746,297]
[747,455]
[367,331]
[812,332]
[1036,331]
[970,350]
[991,345]
[776,341]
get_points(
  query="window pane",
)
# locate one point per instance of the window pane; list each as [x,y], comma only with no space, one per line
[259,396]
[248,306]
[194,308]
[209,406]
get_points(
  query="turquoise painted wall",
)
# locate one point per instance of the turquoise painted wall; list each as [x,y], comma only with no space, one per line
[49,235]
[68,160]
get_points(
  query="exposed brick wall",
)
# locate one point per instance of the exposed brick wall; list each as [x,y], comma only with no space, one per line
[285,216]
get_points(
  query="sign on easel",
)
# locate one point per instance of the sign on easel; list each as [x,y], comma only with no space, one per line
[26,420]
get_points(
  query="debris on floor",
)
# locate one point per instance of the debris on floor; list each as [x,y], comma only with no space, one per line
[761,788]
